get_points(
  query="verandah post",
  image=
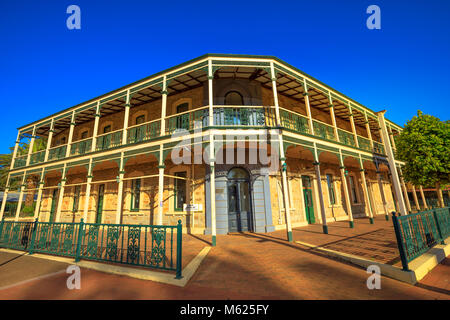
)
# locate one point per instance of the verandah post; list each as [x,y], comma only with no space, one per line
[401,248]
[33,237]
[79,239]
[179,247]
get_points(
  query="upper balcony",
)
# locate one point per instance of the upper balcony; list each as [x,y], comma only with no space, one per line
[242,98]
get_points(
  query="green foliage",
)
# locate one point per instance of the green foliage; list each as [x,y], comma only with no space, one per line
[28,209]
[40,143]
[424,146]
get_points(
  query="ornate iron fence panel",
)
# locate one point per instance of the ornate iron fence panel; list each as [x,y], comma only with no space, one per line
[442,216]
[16,234]
[56,238]
[139,245]
[419,232]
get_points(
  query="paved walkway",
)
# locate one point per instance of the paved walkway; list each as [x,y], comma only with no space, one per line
[242,266]
[371,241]
[438,279]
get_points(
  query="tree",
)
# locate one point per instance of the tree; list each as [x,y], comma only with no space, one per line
[424,146]
[5,159]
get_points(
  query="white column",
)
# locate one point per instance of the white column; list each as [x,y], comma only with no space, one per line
[405,190]
[391,161]
[5,198]
[39,195]
[16,147]
[369,133]
[348,204]
[308,108]
[366,193]
[161,165]
[352,123]
[49,140]
[333,118]
[120,190]
[61,195]
[88,192]
[416,200]
[212,178]
[383,197]
[422,195]
[126,118]
[163,107]
[319,190]
[439,195]
[69,140]
[95,132]
[282,156]
[30,150]
[391,136]
[19,204]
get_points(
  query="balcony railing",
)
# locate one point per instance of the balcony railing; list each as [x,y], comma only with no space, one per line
[144,131]
[223,116]
[378,147]
[364,143]
[57,153]
[187,120]
[346,137]
[109,140]
[323,130]
[244,116]
[37,157]
[294,121]
[20,161]
[81,147]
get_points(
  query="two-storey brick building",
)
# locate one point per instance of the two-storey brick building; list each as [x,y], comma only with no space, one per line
[285,150]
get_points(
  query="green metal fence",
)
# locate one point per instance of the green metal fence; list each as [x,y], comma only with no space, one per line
[151,246]
[15,234]
[419,232]
[294,122]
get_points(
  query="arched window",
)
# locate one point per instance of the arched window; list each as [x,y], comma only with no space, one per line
[237,173]
[140,119]
[182,107]
[234,98]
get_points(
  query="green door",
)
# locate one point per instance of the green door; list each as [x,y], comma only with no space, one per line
[54,204]
[101,192]
[307,194]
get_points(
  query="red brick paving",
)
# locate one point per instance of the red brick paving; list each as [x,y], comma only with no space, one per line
[372,241]
[255,266]
[439,278]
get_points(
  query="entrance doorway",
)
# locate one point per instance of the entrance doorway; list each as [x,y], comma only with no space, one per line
[101,193]
[307,194]
[239,204]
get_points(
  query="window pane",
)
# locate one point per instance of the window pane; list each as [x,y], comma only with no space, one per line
[180,191]
[140,119]
[76,198]
[237,173]
[135,193]
[234,98]
[353,188]
[182,107]
[331,189]
[84,135]
[107,129]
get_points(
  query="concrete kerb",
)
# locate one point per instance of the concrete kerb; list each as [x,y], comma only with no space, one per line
[419,267]
[142,274]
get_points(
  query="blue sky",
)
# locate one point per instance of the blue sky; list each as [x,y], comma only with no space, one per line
[46,67]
